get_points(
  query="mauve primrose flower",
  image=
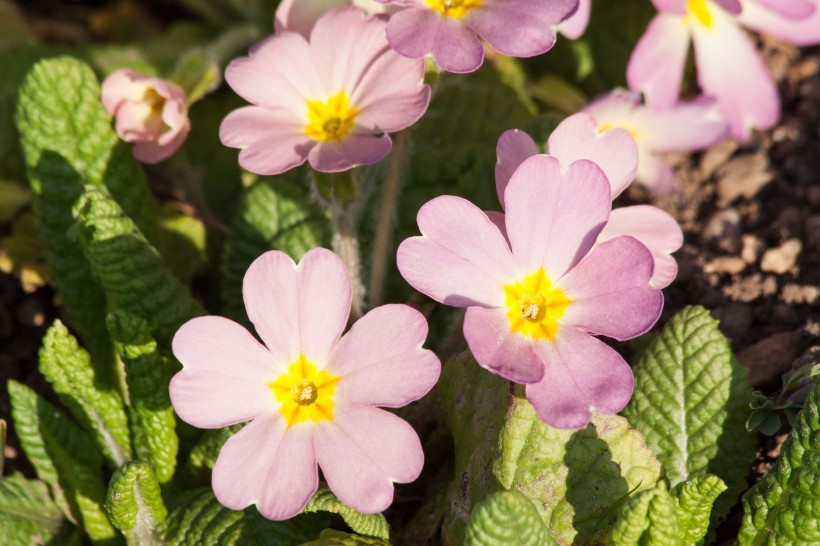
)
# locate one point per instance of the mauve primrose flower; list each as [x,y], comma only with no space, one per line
[310,396]
[614,151]
[300,15]
[576,25]
[150,112]
[331,101]
[450,30]
[729,67]
[535,289]
[794,21]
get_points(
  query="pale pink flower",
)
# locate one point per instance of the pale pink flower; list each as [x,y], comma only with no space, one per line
[311,397]
[330,101]
[150,112]
[535,289]
[795,21]
[576,25]
[614,151]
[729,68]
[451,30]
[300,15]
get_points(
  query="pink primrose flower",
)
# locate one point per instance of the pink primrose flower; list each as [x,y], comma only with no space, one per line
[310,396]
[535,289]
[300,15]
[576,25]
[683,127]
[614,151]
[331,100]
[729,67]
[150,112]
[450,30]
[795,21]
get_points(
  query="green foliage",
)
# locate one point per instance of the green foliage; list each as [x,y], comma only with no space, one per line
[373,525]
[99,410]
[129,268]
[784,507]
[134,503]
[203,455]
[693,502]
[506,517]
[648,519]
[198,518]
[276,213]
[330,537]
[182,242]
[28,514]
[691,401]
[197,74]
[575,478]
[64,457]
[147,377]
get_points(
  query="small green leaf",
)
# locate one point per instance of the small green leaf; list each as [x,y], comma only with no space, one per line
[203,455]
[182,242]
[28,514]
[331,537]
[134,503]
[693,502]
[67,366]
[784,507]
[198,518]
[691,401]
[373,525]
[506,517]
[131,270]
[147,377]
[2,445]
[197,74]
[648,519]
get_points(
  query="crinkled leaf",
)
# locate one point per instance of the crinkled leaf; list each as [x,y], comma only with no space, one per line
[28,514]
[64,457]
[691,401]
[276,213]
[648,519]
[331,537]
[693,503]
[373,525]
[506,517]
[199,518]
[784,507]
[129,268]
[203,455]
[98,409]
[147,377]
[134,503]
[576,478]
[182,241]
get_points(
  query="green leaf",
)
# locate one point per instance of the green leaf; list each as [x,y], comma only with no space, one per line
[129,268]
[506,517]
[134,503]
[331,537]
[693,502]
[2,445]
[197,73]
[198,518]
[691,401]
[147,377]
[28,514]
[64,457]
[181,241]
[98,409]
[575,478]
[203,455]
[784,507]
[373,525]
[648,519]
[276,213]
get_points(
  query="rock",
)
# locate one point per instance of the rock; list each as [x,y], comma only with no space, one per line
[794,293]
[731,265]
[724,231]
[743,176]
[768,359]
[751,249]
[751,287]
[782,259]
[717,155]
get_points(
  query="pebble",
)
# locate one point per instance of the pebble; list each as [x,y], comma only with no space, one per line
[731,265]
[782,259]
[742,176]
[794,293]
[723,230]
[716,156]
[751,249]
[770,358]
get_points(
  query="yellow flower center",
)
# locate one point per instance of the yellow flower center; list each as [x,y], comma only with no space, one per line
[534,306]
[331,120]
[607,126]
[454,8]
[700,9]
[306,394]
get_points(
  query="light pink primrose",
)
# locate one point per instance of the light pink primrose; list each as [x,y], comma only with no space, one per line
[150,112]
[535,289]
[330,101]
[300,15]
[576,25]
[614,151]
[310,394]
[451,30]
[795,21]
[729,68]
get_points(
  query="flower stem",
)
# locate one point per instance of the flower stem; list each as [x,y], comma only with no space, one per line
[384,225]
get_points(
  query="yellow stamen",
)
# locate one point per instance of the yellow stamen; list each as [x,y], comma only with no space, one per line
[306,394]
[607,126]
[454,8]
[700,9]
[534,306]
[331,120]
